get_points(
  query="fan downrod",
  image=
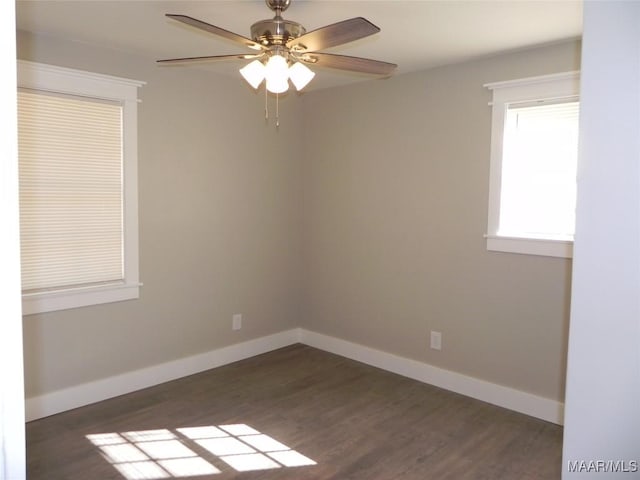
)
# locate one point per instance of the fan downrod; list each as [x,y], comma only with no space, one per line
[278,6]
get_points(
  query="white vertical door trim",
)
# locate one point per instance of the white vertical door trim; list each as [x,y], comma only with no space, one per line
[12,435]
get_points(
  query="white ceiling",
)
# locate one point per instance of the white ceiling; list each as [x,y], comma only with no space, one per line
[415,34]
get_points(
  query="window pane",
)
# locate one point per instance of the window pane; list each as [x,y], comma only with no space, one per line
[538,187]
[70,157]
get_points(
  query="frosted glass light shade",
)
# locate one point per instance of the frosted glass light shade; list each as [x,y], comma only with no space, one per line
[300,75]
[253,73]
[277,74]
[277,85]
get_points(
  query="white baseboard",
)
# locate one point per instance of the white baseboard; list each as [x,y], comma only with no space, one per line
[84,394]
[87,393]
[519,401]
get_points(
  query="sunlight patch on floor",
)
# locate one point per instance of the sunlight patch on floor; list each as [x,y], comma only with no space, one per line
[193,451]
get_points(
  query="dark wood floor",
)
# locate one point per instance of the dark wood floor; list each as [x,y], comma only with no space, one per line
[352,420]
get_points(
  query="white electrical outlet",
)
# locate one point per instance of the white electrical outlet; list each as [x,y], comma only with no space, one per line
[436,340]
[236,322]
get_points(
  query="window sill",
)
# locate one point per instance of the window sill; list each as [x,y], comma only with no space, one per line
[530,246]
[33,303]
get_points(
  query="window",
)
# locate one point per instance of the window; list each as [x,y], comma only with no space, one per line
[534,152]
[78,187]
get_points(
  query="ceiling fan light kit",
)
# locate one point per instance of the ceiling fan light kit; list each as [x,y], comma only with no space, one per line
[283,47]
[277,72]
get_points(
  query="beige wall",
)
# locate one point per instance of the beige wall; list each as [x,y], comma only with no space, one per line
[373,235]
[220,221]
[396,189]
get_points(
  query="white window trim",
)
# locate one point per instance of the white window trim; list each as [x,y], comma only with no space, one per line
[542,88]
[56,79]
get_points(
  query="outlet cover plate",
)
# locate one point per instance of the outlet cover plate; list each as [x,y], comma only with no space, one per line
[436,340]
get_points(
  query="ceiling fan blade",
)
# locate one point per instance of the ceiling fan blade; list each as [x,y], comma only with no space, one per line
[354,64]
[221,32]
[210,58]
[333,35]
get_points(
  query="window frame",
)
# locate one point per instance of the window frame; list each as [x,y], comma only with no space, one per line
[545,88]
[61,80]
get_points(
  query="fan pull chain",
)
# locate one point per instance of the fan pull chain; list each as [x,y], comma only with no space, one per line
[266,107]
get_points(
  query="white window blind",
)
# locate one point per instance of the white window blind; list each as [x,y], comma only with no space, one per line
[538,188]
[71,191]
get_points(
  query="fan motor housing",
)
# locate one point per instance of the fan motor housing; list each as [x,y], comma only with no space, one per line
[276,31]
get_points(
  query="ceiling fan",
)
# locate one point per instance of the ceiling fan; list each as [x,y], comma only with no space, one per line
[283,48]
